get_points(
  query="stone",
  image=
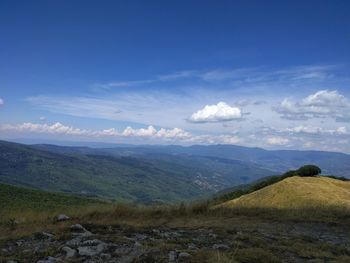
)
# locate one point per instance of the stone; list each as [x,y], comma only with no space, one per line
[105,256]
[172,256]
[92,242]
[69,252]
[47,235]
[183,255]
[211,235]
[123,250]
[62,217]
[137,244]
[92,248]
[77,227]
[220,247]
[79,230]
[74,242]
[20,242]
[192,246]
[49,260]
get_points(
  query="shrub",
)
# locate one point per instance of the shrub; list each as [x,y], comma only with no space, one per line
[308,170]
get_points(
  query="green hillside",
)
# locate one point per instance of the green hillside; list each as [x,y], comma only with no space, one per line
[20,199]
[151,179]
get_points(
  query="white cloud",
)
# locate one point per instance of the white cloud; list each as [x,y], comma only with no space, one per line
[216,113]
[325,98]
[174,135]
[314,130]
[150,131]
[42,118]
[322,104]
[277,141]
[1,102]
[56,128]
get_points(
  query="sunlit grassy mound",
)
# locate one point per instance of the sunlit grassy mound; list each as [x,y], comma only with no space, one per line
[297,192]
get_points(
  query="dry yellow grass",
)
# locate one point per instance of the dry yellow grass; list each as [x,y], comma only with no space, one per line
[297,192]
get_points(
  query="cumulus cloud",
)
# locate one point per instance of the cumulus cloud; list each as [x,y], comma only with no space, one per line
[216,113]
[150,131]
[322,104]
[277,141]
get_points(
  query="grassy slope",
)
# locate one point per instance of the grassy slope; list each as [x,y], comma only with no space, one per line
[20,199]
[129,179]
[297,192]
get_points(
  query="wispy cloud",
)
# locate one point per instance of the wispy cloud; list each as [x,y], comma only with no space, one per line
[236,76]
[260,96]
[161,78]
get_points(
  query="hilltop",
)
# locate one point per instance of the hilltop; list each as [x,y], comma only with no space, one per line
[297,193]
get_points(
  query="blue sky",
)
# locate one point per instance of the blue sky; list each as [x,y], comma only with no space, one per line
[272,74]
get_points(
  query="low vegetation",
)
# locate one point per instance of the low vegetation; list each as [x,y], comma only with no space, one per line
[202,231]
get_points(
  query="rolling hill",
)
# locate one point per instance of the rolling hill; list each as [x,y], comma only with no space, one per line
[278,160]
[297,192]
[13,198]
[150,178]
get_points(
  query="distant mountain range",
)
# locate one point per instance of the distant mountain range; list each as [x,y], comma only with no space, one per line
[151,174]
[278,161]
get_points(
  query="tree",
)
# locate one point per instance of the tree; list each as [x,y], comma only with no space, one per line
[309,170]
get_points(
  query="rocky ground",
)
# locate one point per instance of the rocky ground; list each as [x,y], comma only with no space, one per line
[248,242]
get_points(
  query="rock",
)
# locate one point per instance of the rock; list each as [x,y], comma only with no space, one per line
[62,217]
[192,246]
[183,255]
[128,254]
[137,244]
[92,248]
[121,251]
[105,256]
[211,235]
[47,235]
[93,242]
[77,228]
[11,261]
[74,242]
[172,256]
[140,237]
[49,260]
[20,242]
[69,252]
[220,247]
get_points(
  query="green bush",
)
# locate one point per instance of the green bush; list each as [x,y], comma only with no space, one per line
[308,170]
